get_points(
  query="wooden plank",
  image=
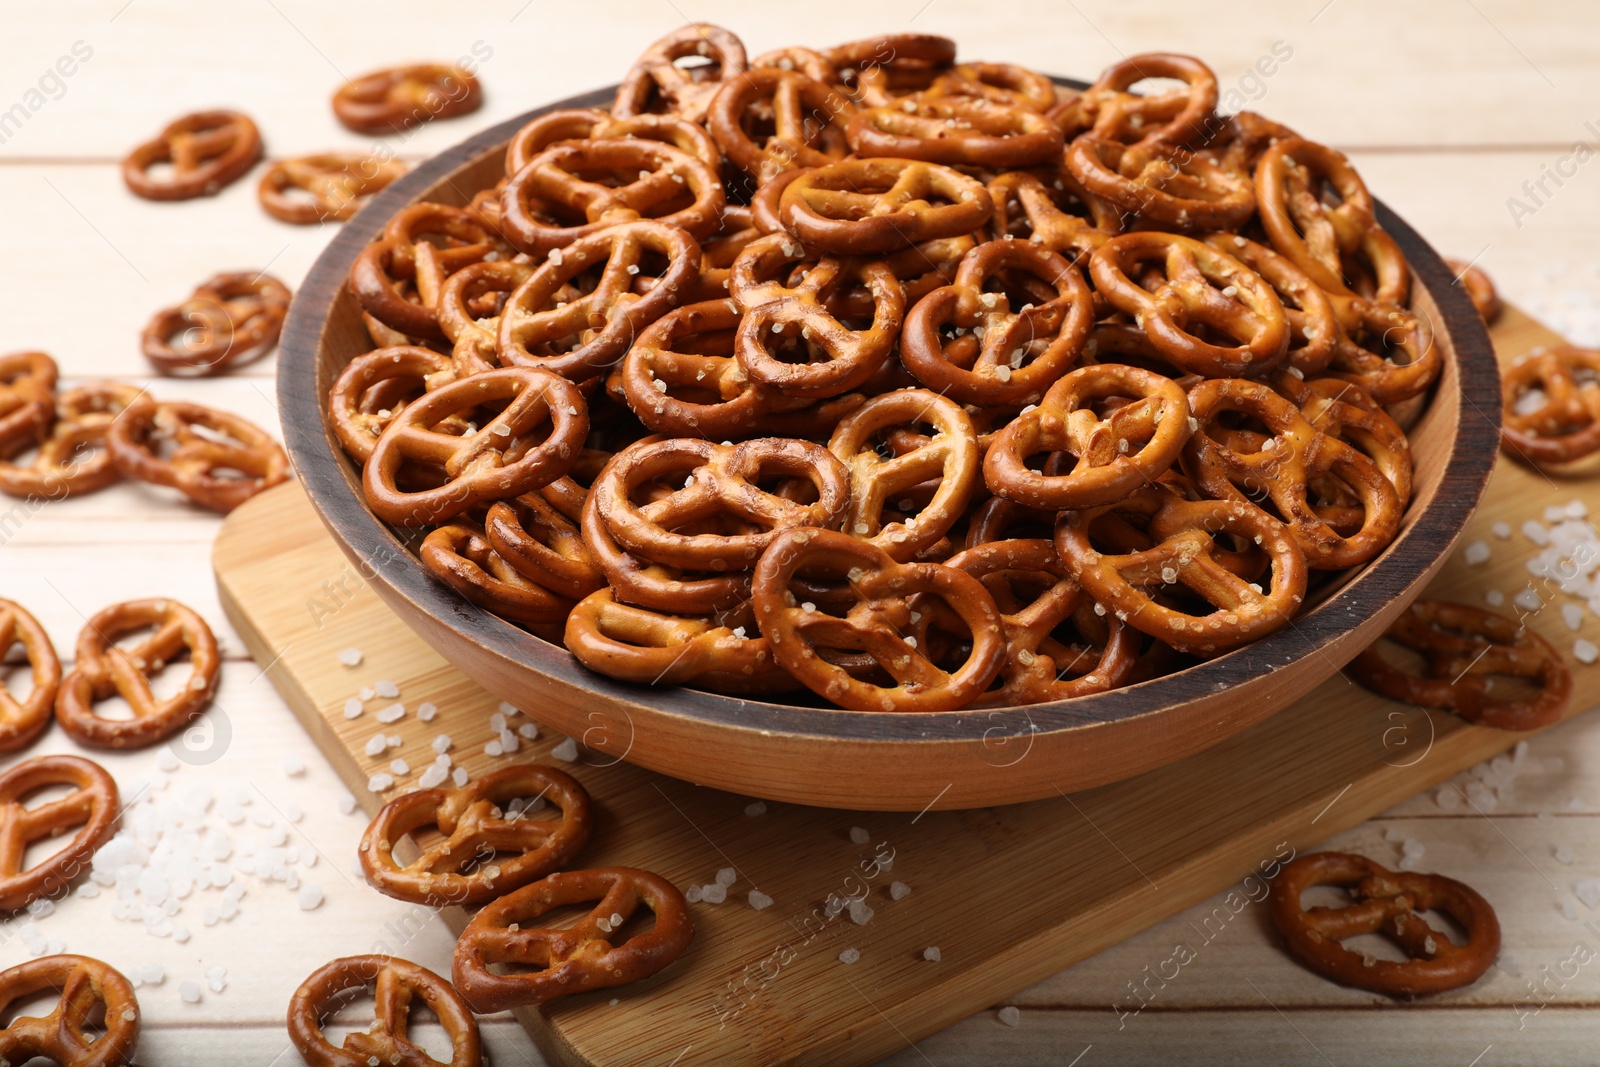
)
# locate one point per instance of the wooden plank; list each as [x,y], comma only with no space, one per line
[1008,895]
[1493,75]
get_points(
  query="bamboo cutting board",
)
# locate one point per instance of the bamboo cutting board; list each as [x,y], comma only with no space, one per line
[1007,895]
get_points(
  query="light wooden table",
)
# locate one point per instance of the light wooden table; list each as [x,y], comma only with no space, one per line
[1448,108]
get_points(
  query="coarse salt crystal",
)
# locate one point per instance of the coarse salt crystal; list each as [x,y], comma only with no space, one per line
[310,896]
[1563,854]
[899,891]
[759,900]
[849,955]
[189,991]
[1569,911]
[347,803]
[426,712]
[1528,599]
[351,657]
[1534,532]
[1572,615]
[493,749]
[692,894]
[1476,553]
[352,708]
[932,954]
[380,782]
[460,777]
[399,766]
[1585,651]
[566,751]
[714,893]
[294,766]
[441,744]
[376,745]
[1501,530]
[727,876]
[859,835]
[1010,1015]
[1588,891]
[386,689]
[392,713]
[860,912]
[755,807]
[1494,598]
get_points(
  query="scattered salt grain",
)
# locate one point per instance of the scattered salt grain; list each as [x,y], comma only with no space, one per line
[715,893]
[727,876]
[1448,798]
[1501,530]
[392,713]
[1563,854]
[151,974]
[352,708]
[1536,533]
[190,991]
[351,657]
[167,760]
[441,744]
[1575,509]
[310,896]
[1494,598]
[460,777]
[859,835]
[899,891]
[759,900]
[432,776]
[1572,615]
[1588,891]
[294,766]
[366,693]
[380,782]
[755,807]
[508,708]
[1569,911]
[1585,651]
[566,751]
[376,745]
[1010,1015]
[860,912]
[1528,599]
[493,748]
[692,894]
[386,689]
[528,731]
[849,955]
[347,803]
[931,954]
[1477,552]
[426,711]
[398,767]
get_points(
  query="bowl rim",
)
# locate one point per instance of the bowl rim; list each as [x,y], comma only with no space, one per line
[323,470]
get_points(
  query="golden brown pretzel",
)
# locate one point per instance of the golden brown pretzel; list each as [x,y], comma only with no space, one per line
[1313,322]
[720,653]
[1197,292]
[374,387]
[780,319]
[399,277]
[716,480]
[469,307]
[956,131]
[102,668]
[576,958]
[1391,904]
[1385,349]
[22,720]
[529,442]
[657,83]
[1000,83]
[324,187]
[537,535]
[950,455]
[863,206]
[91,806]
[229,320]
[207,151]
[1048,206]
[580,124]
[569,191]
[877,70]
[27,397]
[395,99]
[1118,453]
[1281,468]
[1462,649]
[875,619]
[1181,550]
[140,434]
[545,325]
[462,557]
[1479,287]
[489,847]
[1344,410]
[1039,666]
[653,585]
[1176,117]
[678,384]
[397,984]
[769,120]
[807,61]
[73,458]
[1175,188]
[1565,424]
[1000,355]
[94,1024]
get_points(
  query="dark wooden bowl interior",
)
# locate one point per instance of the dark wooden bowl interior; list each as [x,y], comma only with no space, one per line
[1454,443]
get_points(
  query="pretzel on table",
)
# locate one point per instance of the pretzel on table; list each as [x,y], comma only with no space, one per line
[95,1022]
[397,986]
[91,807]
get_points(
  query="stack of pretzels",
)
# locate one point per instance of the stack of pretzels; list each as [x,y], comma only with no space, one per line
[918,384]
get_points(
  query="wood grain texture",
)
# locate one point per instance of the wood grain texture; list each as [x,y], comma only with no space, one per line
[1009,895]
[890,761]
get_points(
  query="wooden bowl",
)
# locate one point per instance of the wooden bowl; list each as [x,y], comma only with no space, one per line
[882,761]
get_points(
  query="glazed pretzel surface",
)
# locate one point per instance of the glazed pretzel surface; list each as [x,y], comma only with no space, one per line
[397,98]
[488,847]
[197,450]
[570,959]
[398,985]
[22,720]
[91,807]
[881,205]
[325,187]
[228,320]
[1563,423]
[657,82]
[1464,649]
[102,668]
[73,457]
[207,151]
[95,1023]
[1391,904]
[27,396]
